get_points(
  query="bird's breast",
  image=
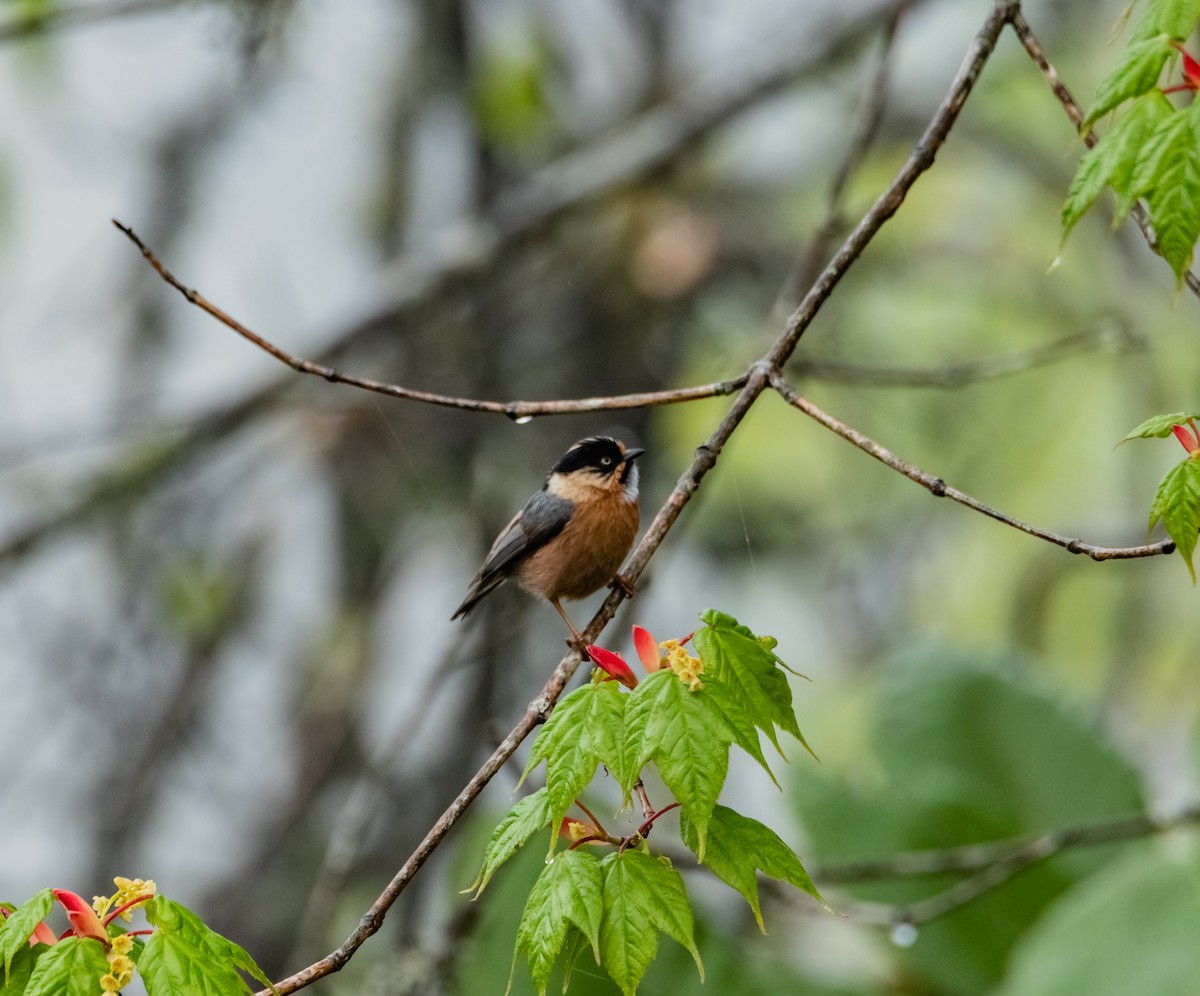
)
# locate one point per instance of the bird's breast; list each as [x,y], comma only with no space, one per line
[587,553]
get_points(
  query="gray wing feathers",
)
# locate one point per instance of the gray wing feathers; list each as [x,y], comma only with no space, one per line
[542,518]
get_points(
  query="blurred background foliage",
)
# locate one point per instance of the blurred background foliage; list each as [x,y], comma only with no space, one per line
[225,588]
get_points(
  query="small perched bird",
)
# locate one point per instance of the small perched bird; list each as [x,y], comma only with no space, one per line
[571,537]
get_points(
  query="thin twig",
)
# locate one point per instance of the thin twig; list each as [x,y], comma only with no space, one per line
[939,488]
[517,410]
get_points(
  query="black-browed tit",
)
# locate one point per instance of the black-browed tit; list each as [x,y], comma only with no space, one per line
[571,537]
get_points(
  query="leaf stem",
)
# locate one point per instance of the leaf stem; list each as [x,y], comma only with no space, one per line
[592,816]
[127,906]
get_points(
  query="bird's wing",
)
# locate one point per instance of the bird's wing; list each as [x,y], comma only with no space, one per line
[542,518]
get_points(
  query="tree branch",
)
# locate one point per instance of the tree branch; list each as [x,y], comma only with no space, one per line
[939,488]
[518,411]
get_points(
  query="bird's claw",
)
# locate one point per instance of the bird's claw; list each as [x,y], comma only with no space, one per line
[622,584]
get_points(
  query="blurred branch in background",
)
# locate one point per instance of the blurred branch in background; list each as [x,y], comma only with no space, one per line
[871,117]
[52,17]
[952,376]
[989,865]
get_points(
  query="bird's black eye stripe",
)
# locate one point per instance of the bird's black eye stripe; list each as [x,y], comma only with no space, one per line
[598,452]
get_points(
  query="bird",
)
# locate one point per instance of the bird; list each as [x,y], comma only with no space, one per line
[572,536]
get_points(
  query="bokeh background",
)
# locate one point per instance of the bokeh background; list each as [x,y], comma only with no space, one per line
[227,662]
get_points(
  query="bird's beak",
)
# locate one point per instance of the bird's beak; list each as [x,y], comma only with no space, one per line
[632,454]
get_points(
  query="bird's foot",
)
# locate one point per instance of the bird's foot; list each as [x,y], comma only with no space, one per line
[622,584]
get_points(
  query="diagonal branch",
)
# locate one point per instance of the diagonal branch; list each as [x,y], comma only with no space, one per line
[939,488]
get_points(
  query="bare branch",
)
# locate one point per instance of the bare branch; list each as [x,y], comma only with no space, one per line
[516,410]
[936,486]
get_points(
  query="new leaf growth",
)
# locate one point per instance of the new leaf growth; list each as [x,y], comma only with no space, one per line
[681,718]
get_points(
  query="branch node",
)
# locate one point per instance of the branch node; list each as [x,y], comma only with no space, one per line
[1075,546]
[540,708]
[937,487]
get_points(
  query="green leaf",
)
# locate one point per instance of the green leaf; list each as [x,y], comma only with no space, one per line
[526,818]
[642,895]
[184,955]
[1138,71]
[20,924]
[1160,426]
[738,847]
[1177,503]
[72,967]
[1113,159]
[20,970]
[682,734]
[739,727]
[1173,196]
[584,730]
[568,893]
[1174,18]
[1129,928]
[749,671]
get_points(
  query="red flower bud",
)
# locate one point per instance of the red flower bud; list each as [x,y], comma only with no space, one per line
[613,665]
[647,649]
[84,922]
[1189,441]
[1191,68]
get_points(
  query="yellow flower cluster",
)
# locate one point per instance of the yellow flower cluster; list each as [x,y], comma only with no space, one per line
[577,830]
[128,889]
[688,668]
[120,965]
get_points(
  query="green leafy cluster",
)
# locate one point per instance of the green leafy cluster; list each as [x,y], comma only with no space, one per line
[616,900]
[180,956]
[1177,502]
[1152,150]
